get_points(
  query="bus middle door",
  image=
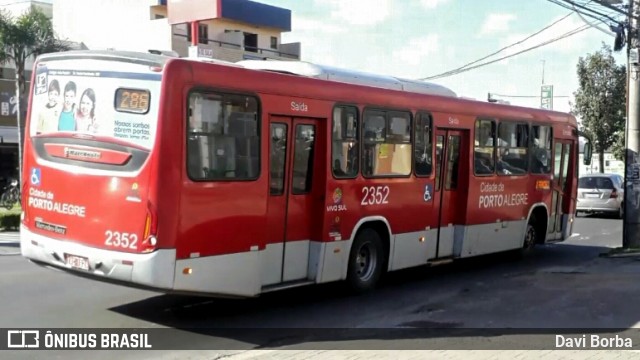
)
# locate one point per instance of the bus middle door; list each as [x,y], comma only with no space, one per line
[451,186]
[295,199]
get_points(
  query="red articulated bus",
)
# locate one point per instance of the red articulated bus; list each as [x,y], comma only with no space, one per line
[200,177]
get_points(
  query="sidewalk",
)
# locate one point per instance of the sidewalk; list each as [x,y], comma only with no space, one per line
[432,354]
[9,237]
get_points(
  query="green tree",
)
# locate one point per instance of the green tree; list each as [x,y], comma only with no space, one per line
[619,146]
[600,100]
[21,38]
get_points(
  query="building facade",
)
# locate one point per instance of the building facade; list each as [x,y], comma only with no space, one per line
[229,30]
[8,103]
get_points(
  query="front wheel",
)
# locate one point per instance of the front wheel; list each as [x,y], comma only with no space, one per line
[530,238]
[365,261]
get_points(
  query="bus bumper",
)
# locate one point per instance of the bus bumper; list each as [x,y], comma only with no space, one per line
[155,270]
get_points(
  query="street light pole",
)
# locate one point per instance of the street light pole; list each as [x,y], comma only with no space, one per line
[631,221]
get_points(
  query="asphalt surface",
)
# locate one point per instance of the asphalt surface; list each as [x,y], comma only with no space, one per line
[566,285]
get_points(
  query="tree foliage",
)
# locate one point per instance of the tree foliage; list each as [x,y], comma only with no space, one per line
[600,101]
[21,38]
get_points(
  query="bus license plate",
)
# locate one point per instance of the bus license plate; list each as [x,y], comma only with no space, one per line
[77,262]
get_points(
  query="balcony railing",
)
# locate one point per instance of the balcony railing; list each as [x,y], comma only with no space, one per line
[262,51]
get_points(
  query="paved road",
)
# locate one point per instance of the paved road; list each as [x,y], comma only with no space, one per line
[563,285]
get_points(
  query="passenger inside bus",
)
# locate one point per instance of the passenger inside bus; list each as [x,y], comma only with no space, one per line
[540,159]
[337,168]
[503,166]
[482,164]
[423,163]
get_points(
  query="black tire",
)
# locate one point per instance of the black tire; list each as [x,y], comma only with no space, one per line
[530,238]
[366,260]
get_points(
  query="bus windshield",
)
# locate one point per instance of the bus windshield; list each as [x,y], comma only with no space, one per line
[119,101]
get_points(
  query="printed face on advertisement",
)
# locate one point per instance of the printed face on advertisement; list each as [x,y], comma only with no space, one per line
[69,98]
[53,97]
[86,105]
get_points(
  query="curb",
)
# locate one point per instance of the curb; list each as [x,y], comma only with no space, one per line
[9,243]
[9,248]
[623,255]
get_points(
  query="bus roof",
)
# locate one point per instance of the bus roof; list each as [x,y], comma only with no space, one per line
[325,72]
[320,72]
[129,56]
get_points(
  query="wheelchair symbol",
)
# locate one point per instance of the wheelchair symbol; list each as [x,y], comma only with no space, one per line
[35,177]
[427,192]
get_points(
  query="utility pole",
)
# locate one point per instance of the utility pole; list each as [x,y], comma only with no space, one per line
[542,72]
[631,221]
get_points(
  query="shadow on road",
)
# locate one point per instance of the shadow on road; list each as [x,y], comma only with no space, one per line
[482,297]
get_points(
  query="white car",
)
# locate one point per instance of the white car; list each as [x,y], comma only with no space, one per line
[601,193]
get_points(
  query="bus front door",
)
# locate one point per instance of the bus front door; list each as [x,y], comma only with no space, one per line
[451,185]
[560,196]
[295,197]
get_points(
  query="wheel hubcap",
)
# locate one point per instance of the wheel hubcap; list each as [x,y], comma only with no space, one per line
[366,259]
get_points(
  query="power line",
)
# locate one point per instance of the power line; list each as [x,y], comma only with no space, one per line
[527,96]
[466,66]
[573,8]
[586,8]
[504,48]
[606,31]
[455,72]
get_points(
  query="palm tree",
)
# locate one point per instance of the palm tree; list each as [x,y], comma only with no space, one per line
[27,36]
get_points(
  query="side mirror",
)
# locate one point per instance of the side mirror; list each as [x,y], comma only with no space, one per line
[587,153]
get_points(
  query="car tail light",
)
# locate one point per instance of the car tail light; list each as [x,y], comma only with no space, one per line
[150,241]
[614,194]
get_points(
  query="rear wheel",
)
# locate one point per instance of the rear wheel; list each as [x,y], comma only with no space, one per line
[365,261]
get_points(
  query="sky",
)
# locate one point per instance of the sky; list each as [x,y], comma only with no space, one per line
[415,39]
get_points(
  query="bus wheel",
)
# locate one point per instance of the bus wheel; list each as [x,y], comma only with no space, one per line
[365,261]
[530,237]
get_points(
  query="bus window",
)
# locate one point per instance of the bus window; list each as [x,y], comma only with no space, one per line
[223,137]
[387,143]
[558,162]
[483,152]
[541,149]
[513,146]
[303,158]
[278,158]
[439,149]
[345,150]
[452,163]
[565,165]
[423,153]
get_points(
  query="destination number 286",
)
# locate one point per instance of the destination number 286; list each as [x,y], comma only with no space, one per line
[121,239]
[374,195]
